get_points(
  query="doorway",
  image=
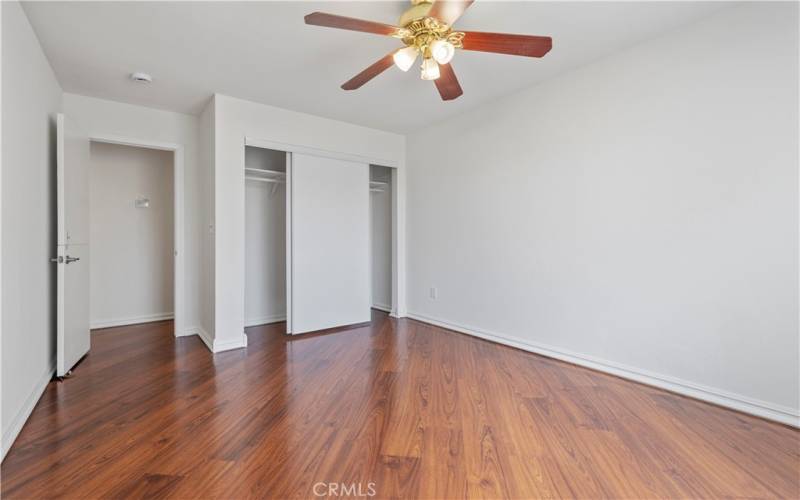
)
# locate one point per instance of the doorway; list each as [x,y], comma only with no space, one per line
[136,226]
[381,237]
[265,236]
[328,255]
[131,233]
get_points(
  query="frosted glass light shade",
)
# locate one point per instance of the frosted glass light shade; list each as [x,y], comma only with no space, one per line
[430,70]
[443,51]
[404,58]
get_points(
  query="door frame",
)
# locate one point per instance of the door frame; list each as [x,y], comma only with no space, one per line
[178,295]
[398,208]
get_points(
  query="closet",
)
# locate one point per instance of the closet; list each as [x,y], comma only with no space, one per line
[265,236]
[381,234]
[318,240]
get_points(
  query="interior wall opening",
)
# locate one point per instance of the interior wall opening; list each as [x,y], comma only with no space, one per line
[131,207]
[265,236]
[381,235]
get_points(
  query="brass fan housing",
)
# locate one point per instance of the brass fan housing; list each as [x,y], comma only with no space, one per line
[418,10]
[420,31]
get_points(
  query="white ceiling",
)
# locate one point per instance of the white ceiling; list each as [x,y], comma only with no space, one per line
[262,51]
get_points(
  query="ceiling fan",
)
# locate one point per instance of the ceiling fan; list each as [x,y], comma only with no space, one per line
[426,29]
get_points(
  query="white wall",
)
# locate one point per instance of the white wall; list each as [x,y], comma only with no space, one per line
[265,241]
[107,118]
[131,269]
[236,120]
[639,215]
[205,327]
[381,238]
[31,96]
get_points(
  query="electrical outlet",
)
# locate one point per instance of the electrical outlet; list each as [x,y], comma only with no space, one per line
[434,293]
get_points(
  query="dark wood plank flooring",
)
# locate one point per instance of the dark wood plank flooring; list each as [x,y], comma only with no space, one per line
[418,411]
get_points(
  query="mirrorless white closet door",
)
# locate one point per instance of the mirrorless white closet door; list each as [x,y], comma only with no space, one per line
[329,243]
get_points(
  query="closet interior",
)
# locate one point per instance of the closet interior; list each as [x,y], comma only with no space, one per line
[341,245]
[381,234]
[265,236]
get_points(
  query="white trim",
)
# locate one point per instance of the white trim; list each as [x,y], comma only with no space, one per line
[189,331]
[382,307]
[200,332]
[148,318]
[18,422]
[770,411]
[213,345]
[178,170]
[264,320]
[139,143]
[230,344]
[308,150]
[371,240]
[178,294]
[288,227]
[398,242]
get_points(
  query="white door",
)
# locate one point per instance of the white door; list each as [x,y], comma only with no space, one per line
[72,253]
[329,243]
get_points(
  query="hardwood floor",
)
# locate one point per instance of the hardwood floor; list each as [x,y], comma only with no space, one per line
[396,407]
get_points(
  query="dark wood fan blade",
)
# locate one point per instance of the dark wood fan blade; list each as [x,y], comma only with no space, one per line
[504,43]
[349,23]
[448,11]
[368,74]
[447,83]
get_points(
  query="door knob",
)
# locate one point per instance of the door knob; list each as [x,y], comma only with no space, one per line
[71,259]
[57,260]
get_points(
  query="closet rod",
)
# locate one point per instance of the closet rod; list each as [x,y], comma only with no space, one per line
[265,171]
[263,179]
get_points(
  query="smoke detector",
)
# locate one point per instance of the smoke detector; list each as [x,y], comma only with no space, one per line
[141,77]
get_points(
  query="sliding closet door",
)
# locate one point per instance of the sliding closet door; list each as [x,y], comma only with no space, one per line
[329,243]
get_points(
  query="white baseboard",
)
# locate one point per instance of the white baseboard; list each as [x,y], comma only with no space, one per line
[188,331]
[213,344]
[770,411]
[148,318]
[200,332]
[382,307]
[398,314]
[264,320]
[14,428]
[230,344]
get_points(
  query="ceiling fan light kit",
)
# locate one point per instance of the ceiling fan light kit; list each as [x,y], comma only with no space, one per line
[430,69]
[426,30]
[431,38]
[443,51]
[404,58]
